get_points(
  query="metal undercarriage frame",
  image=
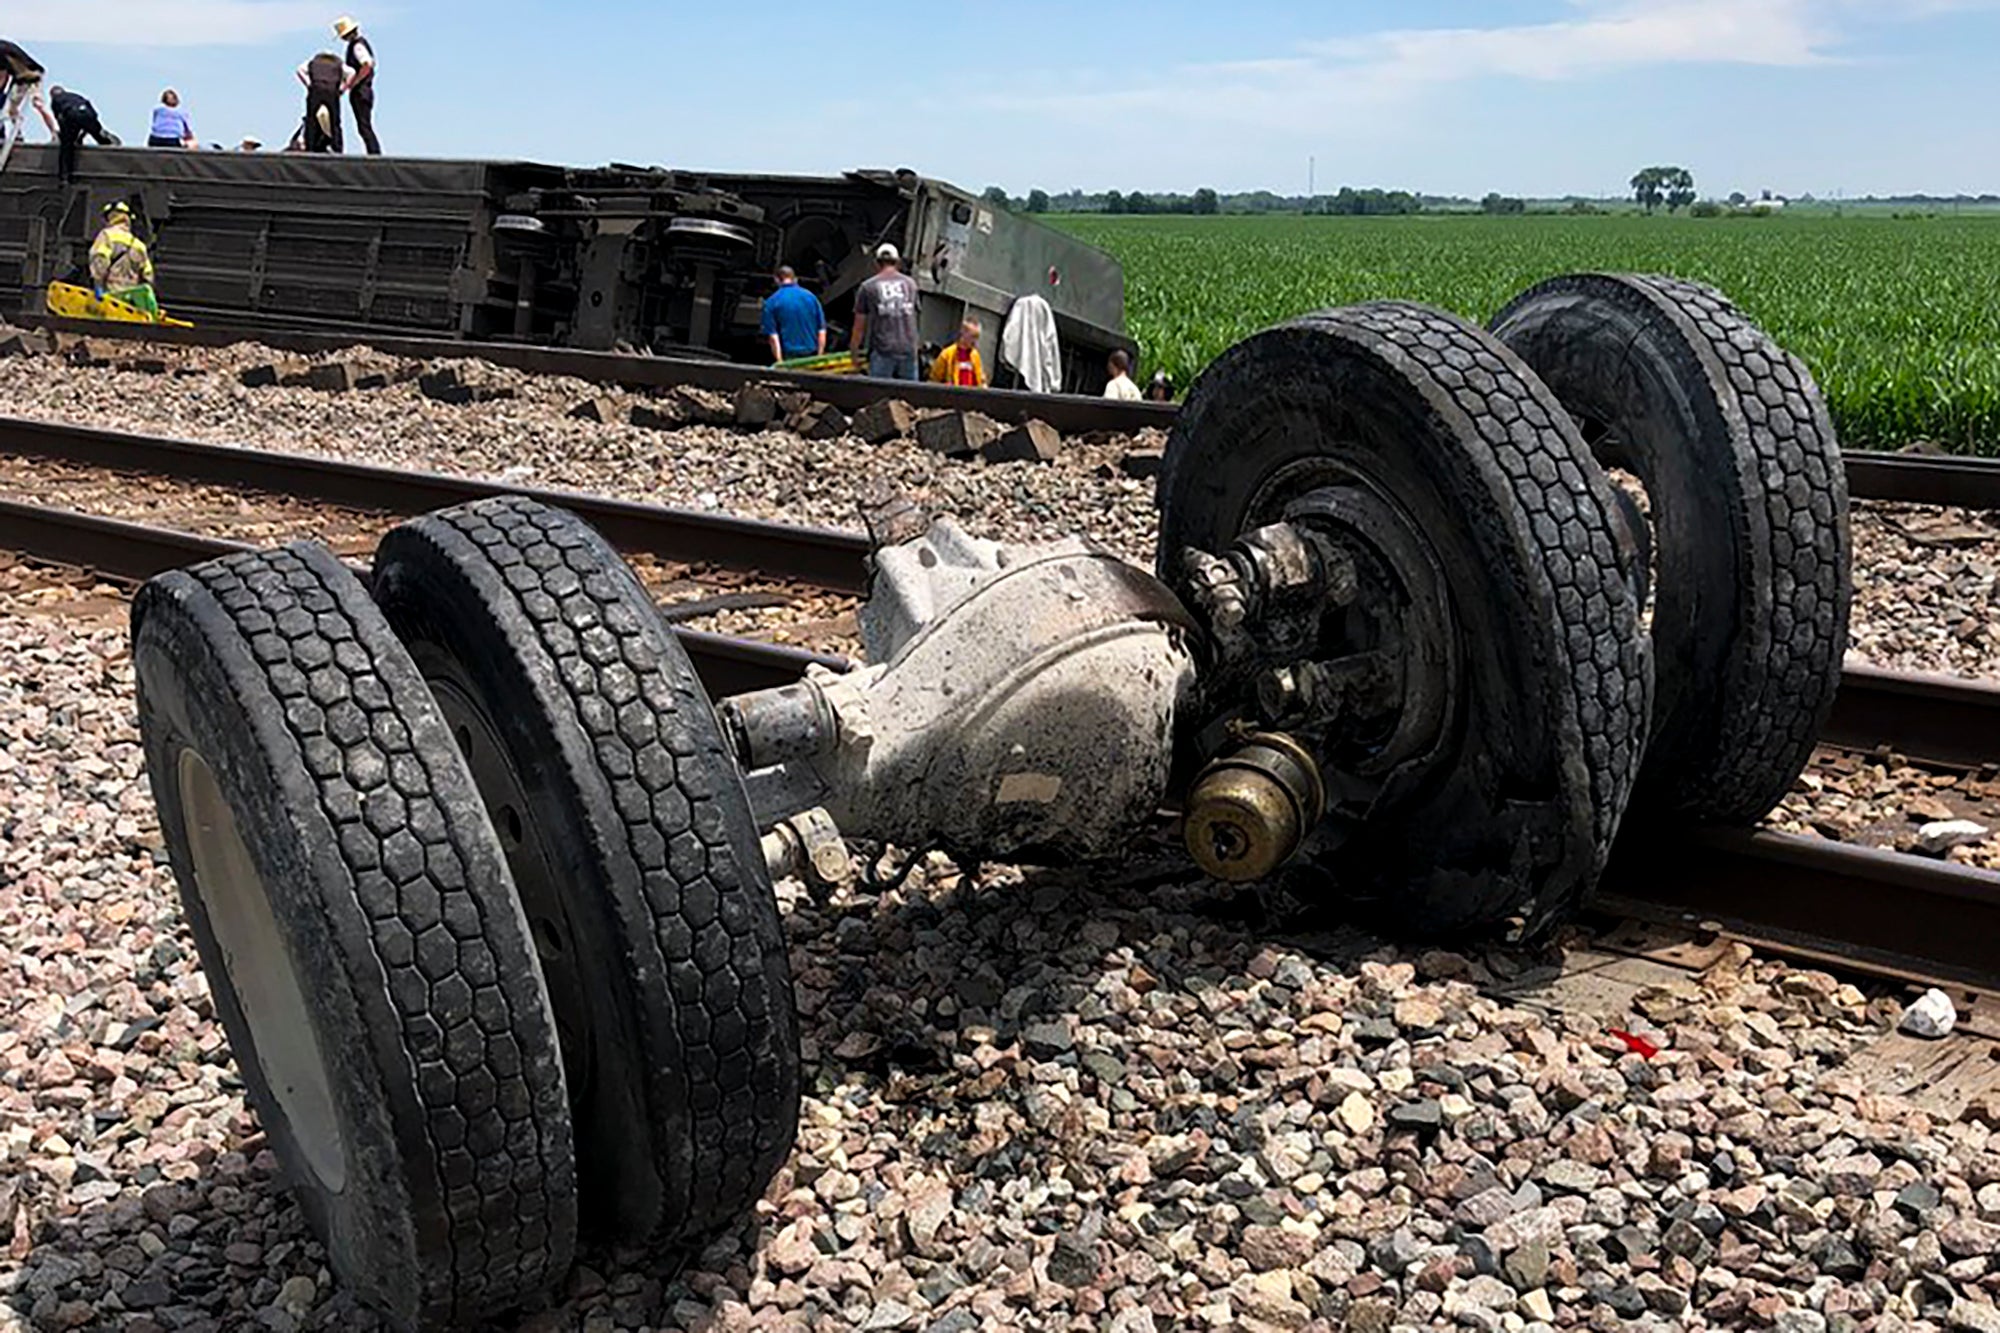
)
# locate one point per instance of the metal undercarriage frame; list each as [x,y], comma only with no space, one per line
[1044,703]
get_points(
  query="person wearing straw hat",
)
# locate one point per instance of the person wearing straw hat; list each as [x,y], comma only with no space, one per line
[360,83]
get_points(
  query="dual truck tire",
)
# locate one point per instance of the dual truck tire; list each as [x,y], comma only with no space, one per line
[480,897]
[1572,702]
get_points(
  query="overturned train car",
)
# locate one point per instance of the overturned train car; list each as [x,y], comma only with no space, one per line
[599,258]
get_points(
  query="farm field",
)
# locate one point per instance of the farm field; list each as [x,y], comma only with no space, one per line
[1899,319]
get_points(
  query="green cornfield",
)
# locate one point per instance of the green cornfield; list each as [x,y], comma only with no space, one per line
[1899,318]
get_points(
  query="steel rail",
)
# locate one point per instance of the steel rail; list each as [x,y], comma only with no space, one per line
[821,557]
[1935,479]
[1936,719]
[1905,918]
[123,552]
[1972,483]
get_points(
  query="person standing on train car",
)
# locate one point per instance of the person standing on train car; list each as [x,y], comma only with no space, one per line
[171,128]
[360,82]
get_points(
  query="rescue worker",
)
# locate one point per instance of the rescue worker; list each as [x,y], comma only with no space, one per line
[76,120]
[323,77]
[959,363]
[359,84]
[21,83]
[119,263]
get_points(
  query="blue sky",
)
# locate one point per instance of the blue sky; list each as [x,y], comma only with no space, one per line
[1542,97]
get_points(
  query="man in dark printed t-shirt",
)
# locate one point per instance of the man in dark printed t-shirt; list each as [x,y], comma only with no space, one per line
[885,319]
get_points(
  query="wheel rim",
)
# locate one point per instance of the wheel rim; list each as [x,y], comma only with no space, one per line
[528,860]
[261,972]
[1404,608]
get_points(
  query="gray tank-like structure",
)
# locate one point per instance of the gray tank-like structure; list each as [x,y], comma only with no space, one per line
[596,258]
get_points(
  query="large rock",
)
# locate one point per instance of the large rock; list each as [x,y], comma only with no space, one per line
[957,434]
[660,414]
[601,408]
[461,384]
[333,377]
[85,352]
[267,374]
[1143,464]
[885,419]
[1932,1015]
[819,421]
[705,406]
[756,406]
[1032,442]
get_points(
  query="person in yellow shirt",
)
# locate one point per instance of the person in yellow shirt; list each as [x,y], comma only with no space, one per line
[959,363]
[119,263]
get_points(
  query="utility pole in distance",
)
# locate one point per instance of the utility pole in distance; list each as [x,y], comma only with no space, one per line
[1312,169]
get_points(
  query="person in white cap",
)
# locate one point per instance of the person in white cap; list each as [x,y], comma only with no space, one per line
[885,319]
[360,84]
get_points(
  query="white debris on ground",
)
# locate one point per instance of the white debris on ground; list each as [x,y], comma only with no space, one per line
[1931,1015]
[1042,1101]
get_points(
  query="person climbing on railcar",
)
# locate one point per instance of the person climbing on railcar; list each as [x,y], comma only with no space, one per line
[76,120]
[323,77]
[21,85]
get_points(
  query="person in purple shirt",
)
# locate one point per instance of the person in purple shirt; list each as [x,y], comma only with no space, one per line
[170,124]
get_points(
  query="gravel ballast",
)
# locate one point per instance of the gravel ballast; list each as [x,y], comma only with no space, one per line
[1121,1100]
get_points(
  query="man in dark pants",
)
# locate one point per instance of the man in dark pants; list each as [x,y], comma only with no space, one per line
[76,120]
[360,84]
[322,76]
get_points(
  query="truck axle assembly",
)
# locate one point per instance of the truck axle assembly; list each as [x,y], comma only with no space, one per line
[482,880]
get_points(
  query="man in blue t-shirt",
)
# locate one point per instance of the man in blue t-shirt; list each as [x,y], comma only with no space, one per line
[793,320]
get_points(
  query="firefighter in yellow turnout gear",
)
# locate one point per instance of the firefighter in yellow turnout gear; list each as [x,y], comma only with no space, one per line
[119,263]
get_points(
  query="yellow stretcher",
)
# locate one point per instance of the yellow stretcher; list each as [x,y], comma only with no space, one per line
[832,363]
[72,302]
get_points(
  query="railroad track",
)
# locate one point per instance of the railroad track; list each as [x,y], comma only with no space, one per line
[1892,916]
[126,552]
[1915,478]
[1940,719]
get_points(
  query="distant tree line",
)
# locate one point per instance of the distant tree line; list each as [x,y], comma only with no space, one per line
[1347,202]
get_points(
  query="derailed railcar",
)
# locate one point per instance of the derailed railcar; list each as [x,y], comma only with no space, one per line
[598,258]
